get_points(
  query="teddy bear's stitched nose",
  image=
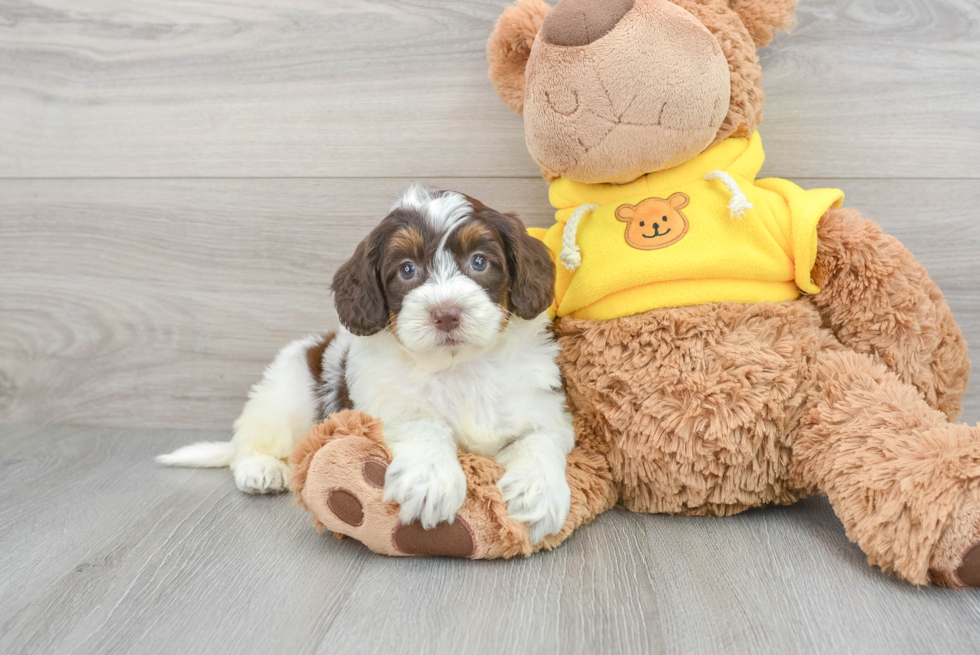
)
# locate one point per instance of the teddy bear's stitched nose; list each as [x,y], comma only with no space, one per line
[580,22]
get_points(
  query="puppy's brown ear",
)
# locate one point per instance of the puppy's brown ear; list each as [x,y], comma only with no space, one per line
[510,46]
[763,17]
[358,295]
[532,273]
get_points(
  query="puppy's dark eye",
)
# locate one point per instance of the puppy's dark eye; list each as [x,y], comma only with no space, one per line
[478,263]
[642,223]
[407,271]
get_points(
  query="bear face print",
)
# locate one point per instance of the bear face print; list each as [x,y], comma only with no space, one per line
[654,223]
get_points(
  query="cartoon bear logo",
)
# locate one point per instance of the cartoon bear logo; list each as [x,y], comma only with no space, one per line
[655,223]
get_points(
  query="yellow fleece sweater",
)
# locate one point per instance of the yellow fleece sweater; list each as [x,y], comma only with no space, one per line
[674,238]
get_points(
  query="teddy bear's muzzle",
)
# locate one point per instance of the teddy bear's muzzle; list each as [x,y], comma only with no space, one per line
[589,119]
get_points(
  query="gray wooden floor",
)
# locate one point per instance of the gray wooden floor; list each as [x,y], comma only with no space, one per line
[178,182]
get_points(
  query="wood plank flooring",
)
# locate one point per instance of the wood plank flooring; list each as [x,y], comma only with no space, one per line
[178,182]
[102,552]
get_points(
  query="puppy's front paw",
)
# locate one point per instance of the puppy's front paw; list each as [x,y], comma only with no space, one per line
[430,490]
[537,497]
[261,474]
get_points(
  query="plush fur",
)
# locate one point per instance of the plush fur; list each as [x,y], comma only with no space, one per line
[510,46]
[713,409]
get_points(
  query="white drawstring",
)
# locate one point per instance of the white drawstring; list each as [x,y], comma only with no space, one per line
[571,256]
[739,204]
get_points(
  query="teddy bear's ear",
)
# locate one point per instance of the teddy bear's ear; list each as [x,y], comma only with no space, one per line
[763,17]
[678,200]
[510,46]
[625,212]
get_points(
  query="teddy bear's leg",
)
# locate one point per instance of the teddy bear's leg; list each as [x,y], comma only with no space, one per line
[904,481]
[879,300]
[338,474]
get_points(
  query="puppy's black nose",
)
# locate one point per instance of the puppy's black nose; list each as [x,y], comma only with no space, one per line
[446,318]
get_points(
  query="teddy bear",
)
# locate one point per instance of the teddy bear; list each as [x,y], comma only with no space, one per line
[727,342]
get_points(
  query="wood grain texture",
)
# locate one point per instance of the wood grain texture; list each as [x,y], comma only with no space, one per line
[115,88]
[136,303]
[104,553]
[159,302]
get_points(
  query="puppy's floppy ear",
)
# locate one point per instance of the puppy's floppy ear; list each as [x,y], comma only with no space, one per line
[358,295]
[532,273]
[763,17]
[510,46]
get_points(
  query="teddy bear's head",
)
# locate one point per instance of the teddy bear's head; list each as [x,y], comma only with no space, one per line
[613,89]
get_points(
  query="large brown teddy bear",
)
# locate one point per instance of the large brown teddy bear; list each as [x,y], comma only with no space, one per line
[703,382]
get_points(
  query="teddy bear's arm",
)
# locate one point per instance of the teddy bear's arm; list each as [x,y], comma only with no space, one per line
[339,470]
[879,300]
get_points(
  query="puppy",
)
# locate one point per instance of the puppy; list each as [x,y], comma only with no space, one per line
[445,339]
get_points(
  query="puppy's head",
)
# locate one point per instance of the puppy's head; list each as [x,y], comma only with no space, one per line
[444,273]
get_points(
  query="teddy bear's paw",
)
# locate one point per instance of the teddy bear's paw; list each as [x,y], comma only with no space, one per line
[261,474]
[966,575]
[344,489]
[955,558]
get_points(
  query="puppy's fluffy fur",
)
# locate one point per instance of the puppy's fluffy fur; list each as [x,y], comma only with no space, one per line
[445,339]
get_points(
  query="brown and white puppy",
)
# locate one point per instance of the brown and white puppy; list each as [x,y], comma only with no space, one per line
[445,338]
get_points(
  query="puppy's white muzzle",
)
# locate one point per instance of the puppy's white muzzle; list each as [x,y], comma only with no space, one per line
[450,314]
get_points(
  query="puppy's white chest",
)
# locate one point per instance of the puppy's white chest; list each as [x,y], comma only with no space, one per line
[475,404]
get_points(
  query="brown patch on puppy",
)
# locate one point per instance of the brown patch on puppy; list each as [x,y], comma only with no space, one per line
[358,298]
[531,285]
[473,235]
[407,241]
[343,393]
[314,356]
[476,238]
[367,288]
[321,388]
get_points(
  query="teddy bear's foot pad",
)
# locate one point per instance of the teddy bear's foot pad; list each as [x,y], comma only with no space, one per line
[955,560]
[346,507]
[968,571]
[338,475]
[445,540]
[345,494]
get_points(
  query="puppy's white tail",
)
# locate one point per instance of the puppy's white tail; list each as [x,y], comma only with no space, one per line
[204,454]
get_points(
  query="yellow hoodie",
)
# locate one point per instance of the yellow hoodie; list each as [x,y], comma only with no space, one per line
[702,232]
